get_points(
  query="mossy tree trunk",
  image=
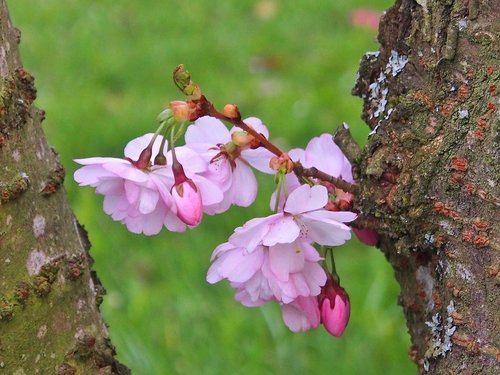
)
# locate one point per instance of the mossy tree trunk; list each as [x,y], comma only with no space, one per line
[429,175]
[49,298]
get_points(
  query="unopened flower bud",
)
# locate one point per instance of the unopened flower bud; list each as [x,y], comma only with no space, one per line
[187,198]
[281,164]
[367,236]
[334,306]
[183,81]
[231,111]
[344,200]
[181,110]
[330,206]
[241,139]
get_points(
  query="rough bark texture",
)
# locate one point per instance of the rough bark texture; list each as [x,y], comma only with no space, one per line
[49,298]
[429,175]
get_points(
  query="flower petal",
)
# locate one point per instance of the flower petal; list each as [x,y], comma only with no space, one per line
[285,259]
[244,187]
[207,130]
[327,233]
[306,198]
[302,314]
[282,229]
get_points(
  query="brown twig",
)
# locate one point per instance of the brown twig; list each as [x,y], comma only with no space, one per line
[316,173]
[241,124]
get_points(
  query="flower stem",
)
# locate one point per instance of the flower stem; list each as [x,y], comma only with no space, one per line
[241,124]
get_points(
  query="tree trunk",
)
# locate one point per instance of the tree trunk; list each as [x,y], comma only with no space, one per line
[429,173]
[49,298]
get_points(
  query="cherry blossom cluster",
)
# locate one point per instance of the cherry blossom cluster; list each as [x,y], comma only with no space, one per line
[269,259]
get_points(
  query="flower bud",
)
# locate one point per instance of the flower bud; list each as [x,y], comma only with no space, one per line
[241,139]
[231,111]
[344,200]
[334,306]
[367,236]
[181,110]
[187,198]
[182,80]
[281,164]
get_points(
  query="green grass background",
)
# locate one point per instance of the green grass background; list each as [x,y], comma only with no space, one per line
[103,73]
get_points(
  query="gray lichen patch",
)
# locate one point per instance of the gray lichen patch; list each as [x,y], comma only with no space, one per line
[442,331]
[39,226]
[36,260]
[426,281]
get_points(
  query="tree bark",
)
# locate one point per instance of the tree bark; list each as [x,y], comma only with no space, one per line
[49,297]
[428,175]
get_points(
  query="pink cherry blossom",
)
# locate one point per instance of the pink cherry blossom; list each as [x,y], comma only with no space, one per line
[321,152]
[141,198]
[229,167]
[303,218]
[301,314]
[282,272]
[335,307]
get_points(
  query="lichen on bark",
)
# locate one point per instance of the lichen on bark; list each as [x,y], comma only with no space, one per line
[429,175]
[49,297]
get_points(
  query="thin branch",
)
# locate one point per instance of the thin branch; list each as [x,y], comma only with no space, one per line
[241,124]
[316,173]
[347,144]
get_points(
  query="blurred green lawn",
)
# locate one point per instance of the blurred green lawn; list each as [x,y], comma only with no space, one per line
[102,70]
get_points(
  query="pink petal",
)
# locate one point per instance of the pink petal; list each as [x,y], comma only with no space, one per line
[282,229]
[302,314]
[192,161]
[207,130]
[148,201]
[220,207]
[327,233]
[251,233]
[98,160]
[315,277]
[306,198]
[236,265]
[134,148]
[292,183]
[153,222]
[324,215]
[243,297]
[259,159]
[285,259]
[91,175]
[112,186]
[132,191]
[173,223]
[114,203]
[297,154]
[210,192]
[257,125]
[127,171]
[322,153]
[244,187]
